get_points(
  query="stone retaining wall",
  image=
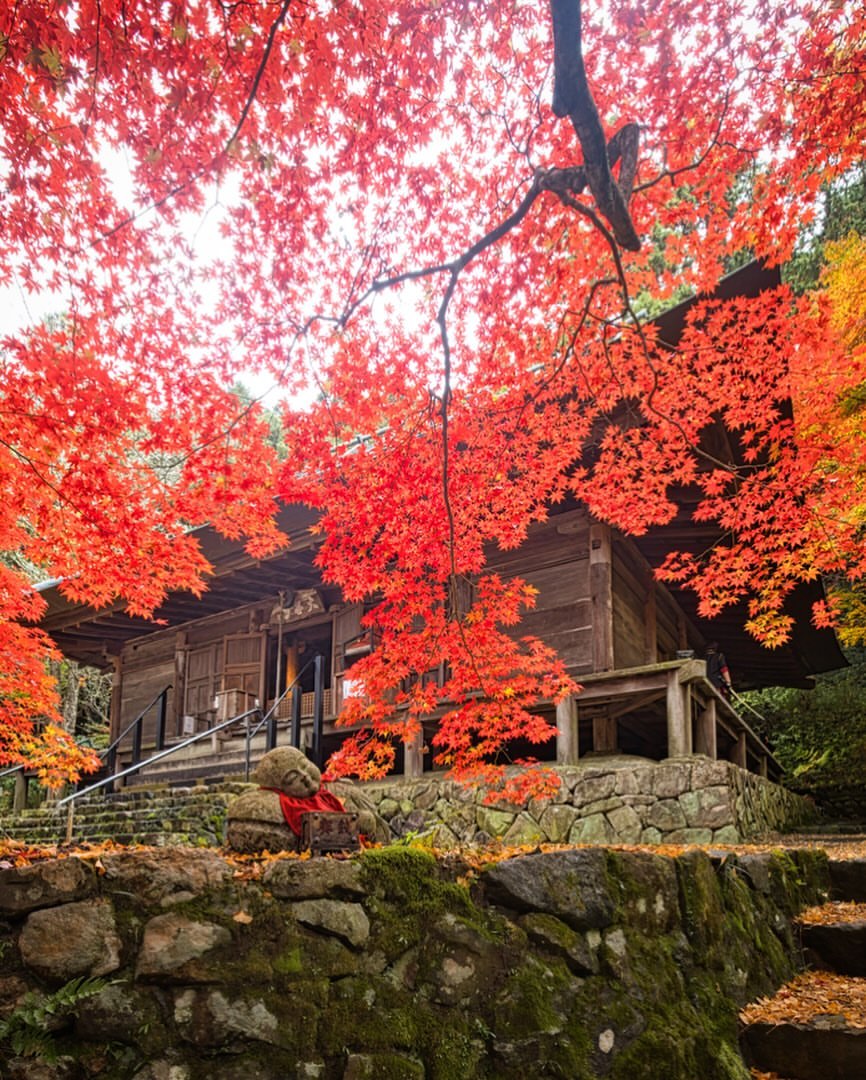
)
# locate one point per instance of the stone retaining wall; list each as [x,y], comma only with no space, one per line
[392,965]
[617,799]
[840,802]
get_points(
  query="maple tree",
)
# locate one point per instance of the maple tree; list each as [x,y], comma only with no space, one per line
[436,219]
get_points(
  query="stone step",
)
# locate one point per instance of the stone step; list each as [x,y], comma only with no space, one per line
[834,937]
[153,815]
[814,1028]
[848,879]
[800,1042]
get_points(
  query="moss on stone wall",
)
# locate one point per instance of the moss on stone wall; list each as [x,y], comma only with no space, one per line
[386,966]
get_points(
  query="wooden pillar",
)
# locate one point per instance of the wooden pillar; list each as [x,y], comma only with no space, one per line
[262,694]
[413,755]
[601,592]
[679,716]
[604,734]
[19,799]
[115,709]
[181,654]
[738,751]
[566,731]
[705,731]
[764,766]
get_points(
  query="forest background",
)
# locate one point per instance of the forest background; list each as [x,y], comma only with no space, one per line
[444,227]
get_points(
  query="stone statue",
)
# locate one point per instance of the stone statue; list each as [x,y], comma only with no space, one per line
[289,783]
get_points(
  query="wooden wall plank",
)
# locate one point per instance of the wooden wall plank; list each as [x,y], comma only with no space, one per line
[139,688]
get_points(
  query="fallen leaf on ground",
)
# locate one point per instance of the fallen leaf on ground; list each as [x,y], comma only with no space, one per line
[836,911]
[809,996]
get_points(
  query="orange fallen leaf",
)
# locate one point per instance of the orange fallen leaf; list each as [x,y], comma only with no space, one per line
[837,911]
[810,995]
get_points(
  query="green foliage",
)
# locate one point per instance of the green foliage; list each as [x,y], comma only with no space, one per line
[819,735]
[29,1030]
[272,417]
[842,210]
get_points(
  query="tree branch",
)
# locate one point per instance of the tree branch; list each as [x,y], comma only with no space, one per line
[573,98]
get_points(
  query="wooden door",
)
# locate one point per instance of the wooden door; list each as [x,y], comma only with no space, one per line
[200,684]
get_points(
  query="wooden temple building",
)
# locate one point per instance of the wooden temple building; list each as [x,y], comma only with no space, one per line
[634,645]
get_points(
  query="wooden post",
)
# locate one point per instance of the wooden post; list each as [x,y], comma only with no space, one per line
[318,708]
[296,717]
[705,732]
[738,751]
[413,755]
[19,799]
[567,731]
[604,733]
[180,660]
[678,716]
[601,592]
[115,708]
[764,766]
[161,713]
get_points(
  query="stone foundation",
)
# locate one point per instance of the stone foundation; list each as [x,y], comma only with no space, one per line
[176,964]
[604,800]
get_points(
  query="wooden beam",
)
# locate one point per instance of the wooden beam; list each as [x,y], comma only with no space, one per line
[632,704]
[692,670]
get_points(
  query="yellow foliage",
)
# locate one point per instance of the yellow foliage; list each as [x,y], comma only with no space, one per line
[850,601]
[843,279]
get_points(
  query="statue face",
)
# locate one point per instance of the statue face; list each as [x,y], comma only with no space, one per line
[290,771]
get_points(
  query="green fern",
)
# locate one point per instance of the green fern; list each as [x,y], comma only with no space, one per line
[28,1031]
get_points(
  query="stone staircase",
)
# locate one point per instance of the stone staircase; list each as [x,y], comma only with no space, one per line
[814,1032]
[156,814]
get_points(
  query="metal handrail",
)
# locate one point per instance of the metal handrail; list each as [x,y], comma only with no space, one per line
[104,754]
[136,766]
[159,756]
[275,705]
[251,733]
